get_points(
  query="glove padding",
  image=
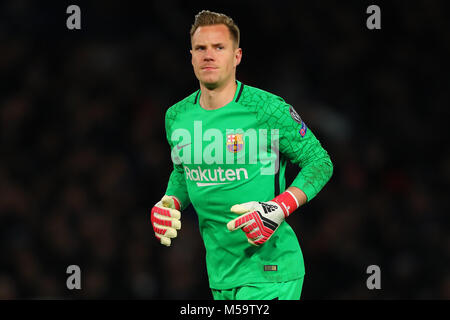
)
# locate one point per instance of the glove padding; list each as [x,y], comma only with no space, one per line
[165,218]
[258,220]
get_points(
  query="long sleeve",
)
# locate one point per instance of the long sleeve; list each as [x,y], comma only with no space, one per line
[301,147]
[177,183]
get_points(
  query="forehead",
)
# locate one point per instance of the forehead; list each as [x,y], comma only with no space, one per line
[211,34]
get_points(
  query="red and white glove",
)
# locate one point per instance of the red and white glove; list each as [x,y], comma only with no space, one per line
[165,218]
[259,220]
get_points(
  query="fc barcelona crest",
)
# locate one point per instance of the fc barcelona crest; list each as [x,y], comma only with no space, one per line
[235,143]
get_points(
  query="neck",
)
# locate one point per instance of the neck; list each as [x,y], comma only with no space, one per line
[216,98]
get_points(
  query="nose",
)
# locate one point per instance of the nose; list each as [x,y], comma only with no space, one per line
[208,55]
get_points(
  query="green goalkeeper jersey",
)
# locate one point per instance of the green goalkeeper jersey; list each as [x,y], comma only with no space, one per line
[236,154]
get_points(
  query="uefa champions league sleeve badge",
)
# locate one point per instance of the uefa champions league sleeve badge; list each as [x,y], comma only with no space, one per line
[299,120]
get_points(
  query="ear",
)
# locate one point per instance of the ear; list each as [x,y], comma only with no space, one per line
[237,56]
[191,57]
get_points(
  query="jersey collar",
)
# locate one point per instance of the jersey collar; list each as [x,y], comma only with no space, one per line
[237,94]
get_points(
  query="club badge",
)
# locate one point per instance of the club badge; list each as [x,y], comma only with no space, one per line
[235,143]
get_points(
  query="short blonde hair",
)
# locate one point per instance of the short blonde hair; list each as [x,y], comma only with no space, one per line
[208,18]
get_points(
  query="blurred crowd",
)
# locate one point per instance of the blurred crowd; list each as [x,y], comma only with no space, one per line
[84,155]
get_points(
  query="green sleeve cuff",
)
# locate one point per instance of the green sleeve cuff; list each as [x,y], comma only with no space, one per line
[182,197]
[311,179]
[177,187]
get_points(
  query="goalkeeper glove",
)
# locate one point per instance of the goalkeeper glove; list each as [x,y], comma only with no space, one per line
[165,218]
[259,220]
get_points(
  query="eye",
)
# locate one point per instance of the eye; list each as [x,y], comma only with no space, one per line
[220,48]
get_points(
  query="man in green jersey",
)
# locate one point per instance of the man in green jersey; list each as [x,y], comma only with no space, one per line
[230,144]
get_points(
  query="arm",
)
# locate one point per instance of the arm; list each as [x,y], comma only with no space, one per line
[259,220]
[177,184]
[165,215]
[299,144]
[177,188]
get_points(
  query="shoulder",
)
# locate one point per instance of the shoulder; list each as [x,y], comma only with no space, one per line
[265,104]
[181,106]
[256,96]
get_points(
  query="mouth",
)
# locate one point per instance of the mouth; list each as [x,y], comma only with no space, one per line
[208,68]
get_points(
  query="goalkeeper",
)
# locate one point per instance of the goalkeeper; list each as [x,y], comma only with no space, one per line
[230,145]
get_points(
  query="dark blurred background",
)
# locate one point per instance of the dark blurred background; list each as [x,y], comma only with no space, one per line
[84,156]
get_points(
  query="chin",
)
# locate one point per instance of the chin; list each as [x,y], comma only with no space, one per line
[210,83]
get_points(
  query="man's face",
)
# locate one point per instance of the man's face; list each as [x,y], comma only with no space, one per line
[214,56]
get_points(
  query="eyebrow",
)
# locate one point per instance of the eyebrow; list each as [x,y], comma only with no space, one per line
[214,45]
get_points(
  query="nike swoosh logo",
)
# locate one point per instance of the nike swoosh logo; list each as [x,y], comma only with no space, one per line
[184,145]
[202,184]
